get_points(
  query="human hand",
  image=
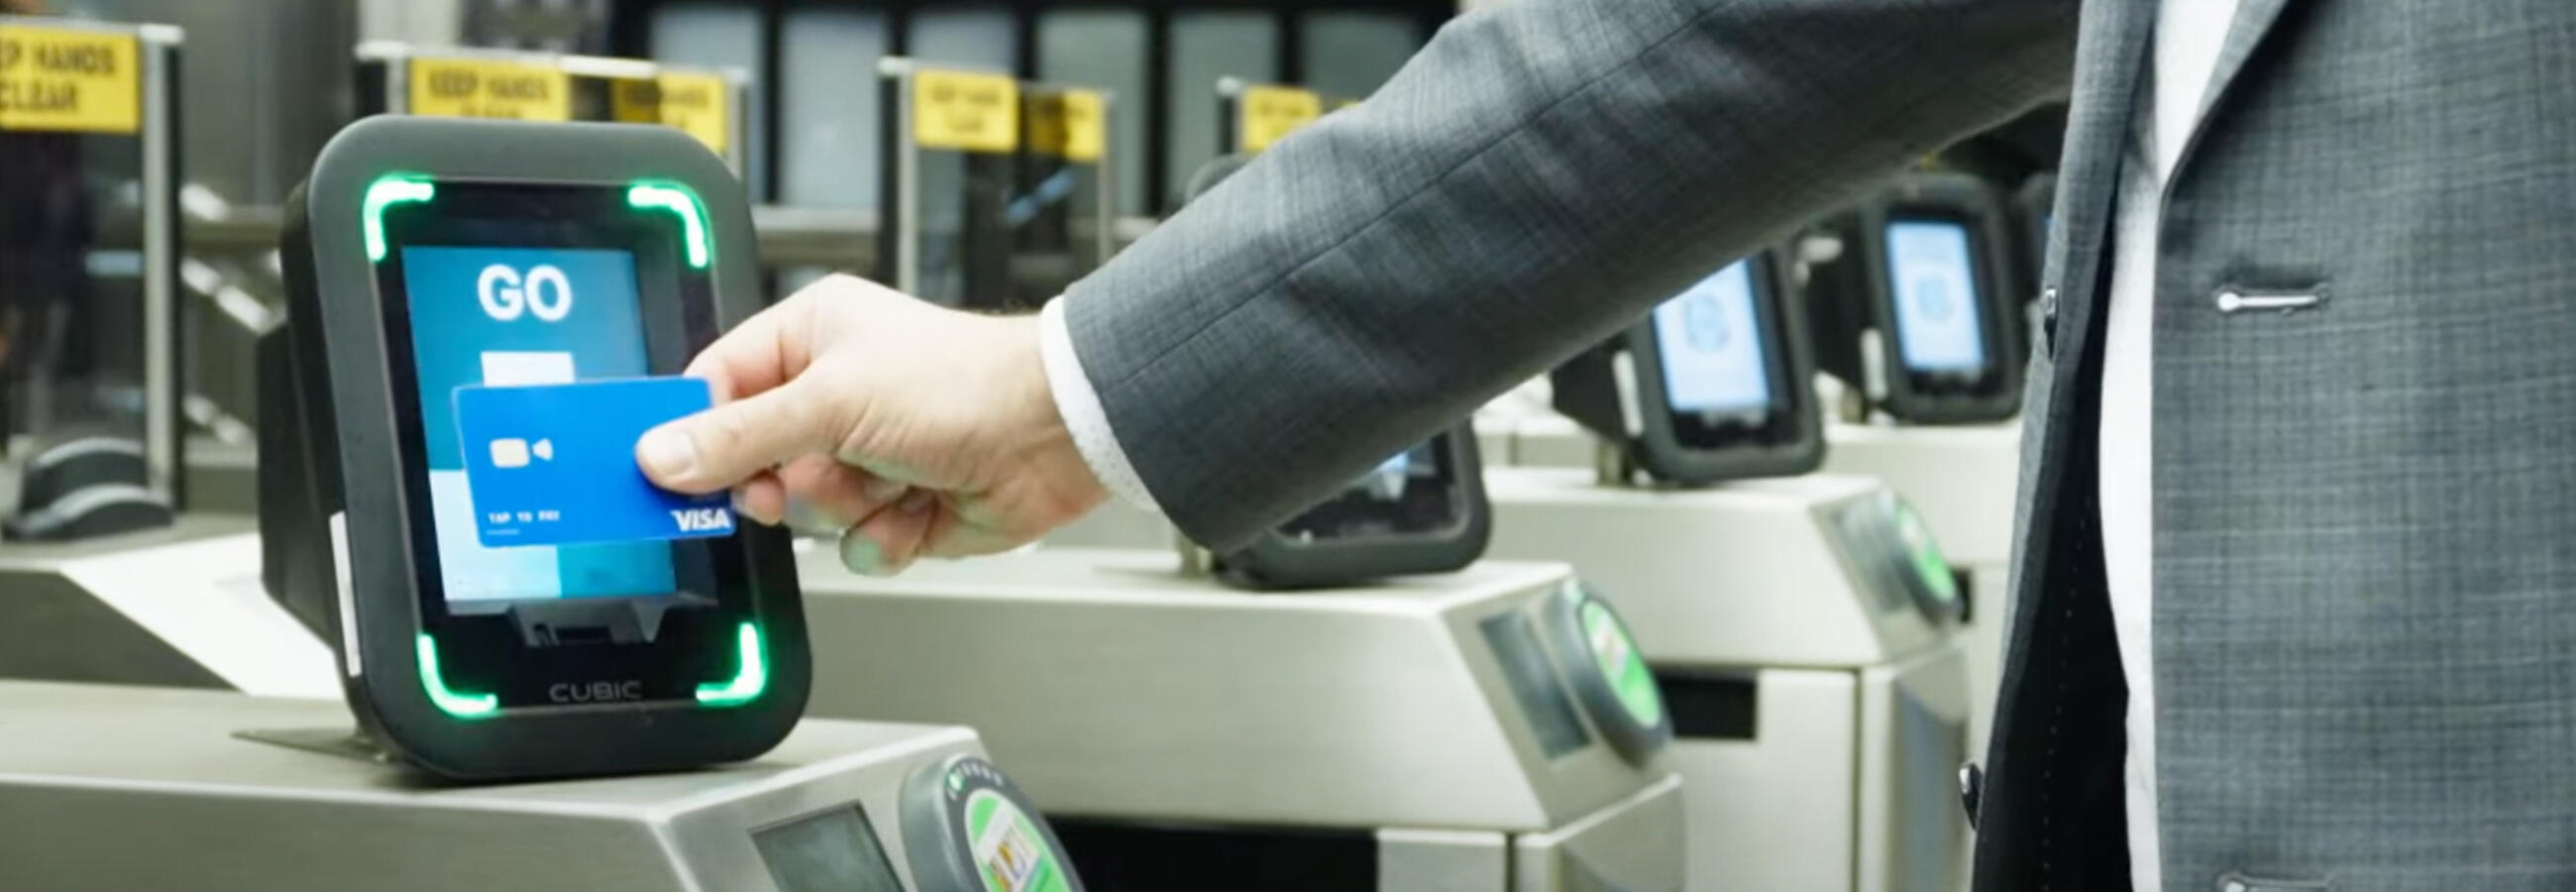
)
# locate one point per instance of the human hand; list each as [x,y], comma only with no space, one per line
[922,430]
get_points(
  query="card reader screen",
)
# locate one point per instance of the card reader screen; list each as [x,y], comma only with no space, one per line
[1408,493]
[516,316]
[1712,348]
[1933,280]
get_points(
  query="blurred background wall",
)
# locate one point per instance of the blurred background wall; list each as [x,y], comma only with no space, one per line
[266,83]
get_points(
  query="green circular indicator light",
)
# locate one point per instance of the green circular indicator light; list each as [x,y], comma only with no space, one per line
[968,827]
[1929,565]
[1609,674]
[1009,852]
[1621,664]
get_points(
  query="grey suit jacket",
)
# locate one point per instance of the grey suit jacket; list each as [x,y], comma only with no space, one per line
[2365,603]
[2364,613]
[1541,175]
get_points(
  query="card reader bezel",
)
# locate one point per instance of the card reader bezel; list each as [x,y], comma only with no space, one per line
[1618,392]
[1993,392]
[347,377]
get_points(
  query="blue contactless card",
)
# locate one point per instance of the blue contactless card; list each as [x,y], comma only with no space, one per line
[554,464]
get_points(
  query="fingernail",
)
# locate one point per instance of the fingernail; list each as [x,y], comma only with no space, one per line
[880,490]
[742,508]
[918,501]
[668,454]
[862,556]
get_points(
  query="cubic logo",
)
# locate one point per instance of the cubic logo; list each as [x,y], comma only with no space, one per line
[596,691]
[506,294]
[702,520]
[512,452]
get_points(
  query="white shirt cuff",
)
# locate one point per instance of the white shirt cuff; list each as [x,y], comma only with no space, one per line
[1083,416]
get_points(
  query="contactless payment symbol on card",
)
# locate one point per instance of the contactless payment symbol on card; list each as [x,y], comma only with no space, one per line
[554,464]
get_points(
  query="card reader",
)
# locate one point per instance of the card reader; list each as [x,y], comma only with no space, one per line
[428,257]
[1932,262]
[1710,386]
[1422,510]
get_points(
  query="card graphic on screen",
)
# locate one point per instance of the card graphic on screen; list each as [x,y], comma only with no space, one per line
[1933,280]
[516,316]
[1712,347]
[554,464]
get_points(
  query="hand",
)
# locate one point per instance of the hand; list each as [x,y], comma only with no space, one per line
[924,430]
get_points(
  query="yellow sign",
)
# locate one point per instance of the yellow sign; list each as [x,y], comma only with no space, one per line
[479,88]
[1269,114]
[1071,124]
[61,79]
[697,104]
[691,103]
[635,100]
[966,111]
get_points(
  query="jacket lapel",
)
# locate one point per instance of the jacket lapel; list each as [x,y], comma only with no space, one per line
[2110,55]
[2254,20]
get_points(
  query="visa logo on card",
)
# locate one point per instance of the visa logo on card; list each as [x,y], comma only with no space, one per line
[554,464]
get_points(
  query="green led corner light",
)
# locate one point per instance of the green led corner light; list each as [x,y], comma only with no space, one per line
[387,191]
[463,706]
[748,682]
[678,200]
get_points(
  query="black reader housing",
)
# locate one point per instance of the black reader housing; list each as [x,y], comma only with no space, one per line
[1422,511]
[1941,356]
[1624,392]
[715,669]
[1986,390]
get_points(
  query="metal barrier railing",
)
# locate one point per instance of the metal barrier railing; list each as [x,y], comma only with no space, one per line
[80,93]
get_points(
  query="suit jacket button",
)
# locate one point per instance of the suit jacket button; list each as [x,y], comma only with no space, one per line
[1972,787]
[2048,314]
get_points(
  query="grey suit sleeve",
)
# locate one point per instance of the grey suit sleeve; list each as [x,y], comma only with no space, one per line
[1540,175]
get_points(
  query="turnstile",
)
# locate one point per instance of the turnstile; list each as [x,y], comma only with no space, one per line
[999,191]
[1422,734]
[1964,480]
[1819,691]
[130,788]
[90,362]
[180,606]
[98,580]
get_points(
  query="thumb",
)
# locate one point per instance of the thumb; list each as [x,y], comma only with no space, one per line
[726,445]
